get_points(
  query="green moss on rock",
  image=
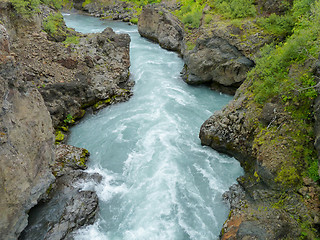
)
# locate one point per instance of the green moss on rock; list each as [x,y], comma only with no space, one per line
[59,137]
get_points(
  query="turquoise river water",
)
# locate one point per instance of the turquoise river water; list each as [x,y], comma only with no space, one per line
[159,182]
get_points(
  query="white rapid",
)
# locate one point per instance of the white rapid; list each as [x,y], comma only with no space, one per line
[159,182]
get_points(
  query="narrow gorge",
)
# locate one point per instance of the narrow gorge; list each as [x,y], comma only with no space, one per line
[147,159]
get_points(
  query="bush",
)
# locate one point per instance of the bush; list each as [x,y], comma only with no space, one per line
[271,74]
[236,8]
[25,7]
[190,13]
[192,18]
[85,3]
[71,40]
[52,22]
[208,18]
[134,20]
[278,25]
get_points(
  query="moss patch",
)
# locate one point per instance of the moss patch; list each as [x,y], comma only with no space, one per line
[59,137]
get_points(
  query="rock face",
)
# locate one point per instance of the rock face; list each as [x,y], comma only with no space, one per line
[80,75]
[215,60]
[72,206]
[159,25]
[4,44]
[259,137]
[27,147]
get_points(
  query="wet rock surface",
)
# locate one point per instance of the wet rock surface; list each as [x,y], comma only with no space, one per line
[159,25]
[65,207]
[257,212]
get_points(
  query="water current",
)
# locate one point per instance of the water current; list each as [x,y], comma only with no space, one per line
[159,182]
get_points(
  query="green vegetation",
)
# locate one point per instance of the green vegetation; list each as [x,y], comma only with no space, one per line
[279,64]
[283,74]
[69,119]
[134,20]
[71,40]
[86,2]
[59,137]
[52,23]
[235,8]
[278,25]
[190,13]
[190,45]
[27,8]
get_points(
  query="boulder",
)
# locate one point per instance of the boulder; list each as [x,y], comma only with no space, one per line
[215,60]
[159,25]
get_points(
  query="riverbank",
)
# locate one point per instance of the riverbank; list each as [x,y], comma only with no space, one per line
[50,75]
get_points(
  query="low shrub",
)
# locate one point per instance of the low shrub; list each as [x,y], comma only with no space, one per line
[235,8]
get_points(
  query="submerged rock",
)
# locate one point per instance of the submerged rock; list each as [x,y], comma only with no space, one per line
[159,25]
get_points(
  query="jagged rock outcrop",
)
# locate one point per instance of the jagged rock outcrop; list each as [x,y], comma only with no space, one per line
[272,6]
[261,138]
[72,206]
[223,54]
[72,78]
[215,60]
[159,25]
[27,146]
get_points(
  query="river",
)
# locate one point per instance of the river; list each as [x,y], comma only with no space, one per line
[159,182]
